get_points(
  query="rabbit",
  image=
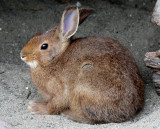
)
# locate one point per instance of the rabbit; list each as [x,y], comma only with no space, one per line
[90,80]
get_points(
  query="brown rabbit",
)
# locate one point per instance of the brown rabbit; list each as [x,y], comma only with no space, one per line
[91,80]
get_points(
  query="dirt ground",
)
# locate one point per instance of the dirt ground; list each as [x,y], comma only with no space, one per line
[128,21]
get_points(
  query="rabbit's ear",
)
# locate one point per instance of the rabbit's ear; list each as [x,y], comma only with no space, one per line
[69,22]
[84,13]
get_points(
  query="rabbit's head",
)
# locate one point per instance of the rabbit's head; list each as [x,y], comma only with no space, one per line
[44,47]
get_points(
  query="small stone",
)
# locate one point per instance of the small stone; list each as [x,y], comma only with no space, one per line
[78,4]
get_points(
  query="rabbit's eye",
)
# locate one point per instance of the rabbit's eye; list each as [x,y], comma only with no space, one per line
[44,46]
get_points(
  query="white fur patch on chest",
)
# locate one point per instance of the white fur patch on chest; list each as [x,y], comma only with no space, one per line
[32,64]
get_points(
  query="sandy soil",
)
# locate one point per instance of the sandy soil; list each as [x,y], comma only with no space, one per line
[129,21]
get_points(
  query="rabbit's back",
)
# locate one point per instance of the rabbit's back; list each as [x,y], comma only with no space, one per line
[102,52]
[105,55]
[102,55]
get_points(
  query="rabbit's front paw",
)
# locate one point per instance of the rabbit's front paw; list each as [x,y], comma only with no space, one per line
[38,107]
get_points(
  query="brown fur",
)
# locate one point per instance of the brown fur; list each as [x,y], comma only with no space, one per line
[91,80]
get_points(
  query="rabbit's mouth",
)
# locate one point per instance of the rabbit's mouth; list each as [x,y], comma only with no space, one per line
[32,64]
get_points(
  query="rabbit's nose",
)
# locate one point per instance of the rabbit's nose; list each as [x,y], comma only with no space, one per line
[23,57]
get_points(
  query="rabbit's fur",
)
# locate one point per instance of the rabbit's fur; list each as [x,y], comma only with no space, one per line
[91,80]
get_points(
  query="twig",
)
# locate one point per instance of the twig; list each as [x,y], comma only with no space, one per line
[2,72]
[29,94]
